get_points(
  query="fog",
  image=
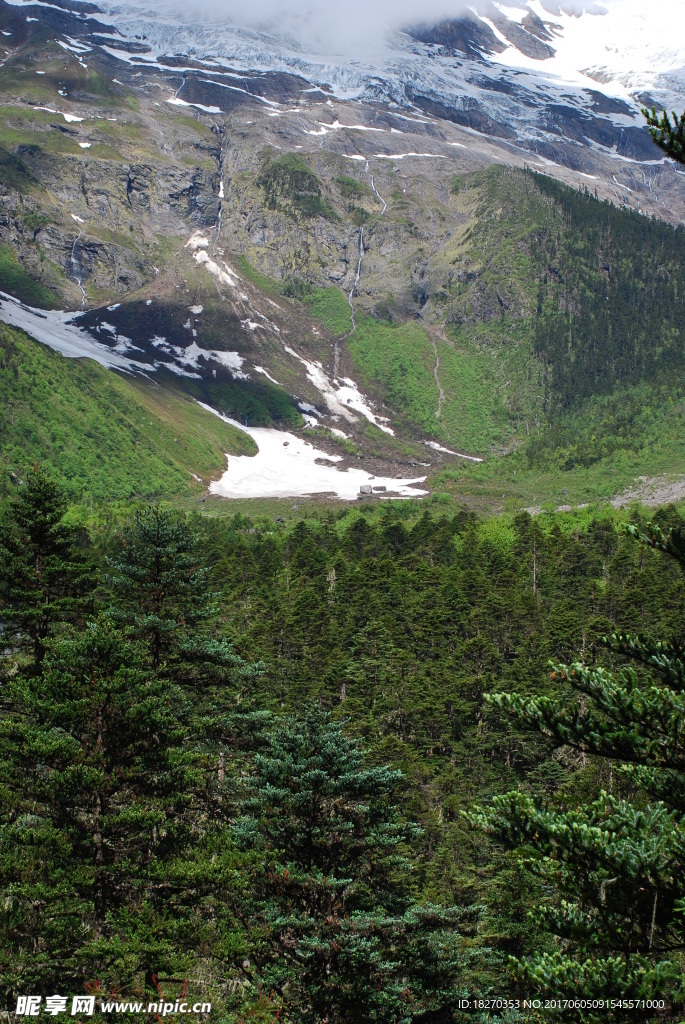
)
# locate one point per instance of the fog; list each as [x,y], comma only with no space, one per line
[350,27]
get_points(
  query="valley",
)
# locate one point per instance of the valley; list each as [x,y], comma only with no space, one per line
[342,448]
[364,271]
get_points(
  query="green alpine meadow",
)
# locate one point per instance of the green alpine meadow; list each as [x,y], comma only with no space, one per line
[342,513]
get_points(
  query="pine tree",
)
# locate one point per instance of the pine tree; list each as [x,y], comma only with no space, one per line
[329,904]
[616,864]
[97,794]
[669,136]
[159,585]
[161,592]
[44,577]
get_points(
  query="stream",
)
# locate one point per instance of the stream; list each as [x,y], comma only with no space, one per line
[77,271]
[357,276]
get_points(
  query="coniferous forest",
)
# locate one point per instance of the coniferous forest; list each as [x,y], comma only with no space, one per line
[326,773]
[388,763]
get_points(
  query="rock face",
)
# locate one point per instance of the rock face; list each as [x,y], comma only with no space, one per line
[521,72]
[196,212]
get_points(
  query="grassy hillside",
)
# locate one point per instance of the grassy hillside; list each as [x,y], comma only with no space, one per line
[102,435]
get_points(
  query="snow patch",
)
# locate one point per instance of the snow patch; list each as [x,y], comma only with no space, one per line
[197,241]
[176,102]
[342,397]
[286,466]
[201,257]
[260,369]
[448,451]
[401,156]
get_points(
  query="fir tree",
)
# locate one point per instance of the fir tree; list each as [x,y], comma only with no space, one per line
[97,796]
[44,577]
[669,136]
[335,932]
[615,864]
[159,585]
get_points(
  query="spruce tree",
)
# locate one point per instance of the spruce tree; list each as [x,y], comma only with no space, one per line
[328,903]
[615,865]
[97,795]
[159,586]
[44,575]
[669,136]
[161,593]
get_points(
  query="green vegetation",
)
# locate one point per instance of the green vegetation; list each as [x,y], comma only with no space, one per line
[330,307]
[15,281]
[292,188]
[267,284]
[400,358]
[101,434]
[277,821]
[350,188]
[613,864]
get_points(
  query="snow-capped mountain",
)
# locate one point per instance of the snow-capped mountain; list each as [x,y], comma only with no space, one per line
[540,72]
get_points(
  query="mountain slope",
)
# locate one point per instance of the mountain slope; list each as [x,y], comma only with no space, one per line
[372,279]
[100,435]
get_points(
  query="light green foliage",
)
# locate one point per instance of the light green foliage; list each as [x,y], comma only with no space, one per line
[101,434]
[15,281]
[399,359]
[330,307]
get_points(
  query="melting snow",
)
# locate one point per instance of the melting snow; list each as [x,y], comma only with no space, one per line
[401,156]
[182,103]
[58,330]
[439,448]
[200,256]
[286,466]
[197,241]
[260,369]
[341,397]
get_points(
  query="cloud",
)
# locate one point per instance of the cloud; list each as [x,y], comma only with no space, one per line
[335,27]
[332,29]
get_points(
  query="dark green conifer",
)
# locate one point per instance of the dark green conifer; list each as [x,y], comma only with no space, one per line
[615,865]
[669,136]
[97,798]
[329,894]
[44,576]
[159,586]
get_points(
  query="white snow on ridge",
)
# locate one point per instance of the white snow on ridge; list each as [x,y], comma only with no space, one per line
[286,466]
[343,397]
[58,330]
